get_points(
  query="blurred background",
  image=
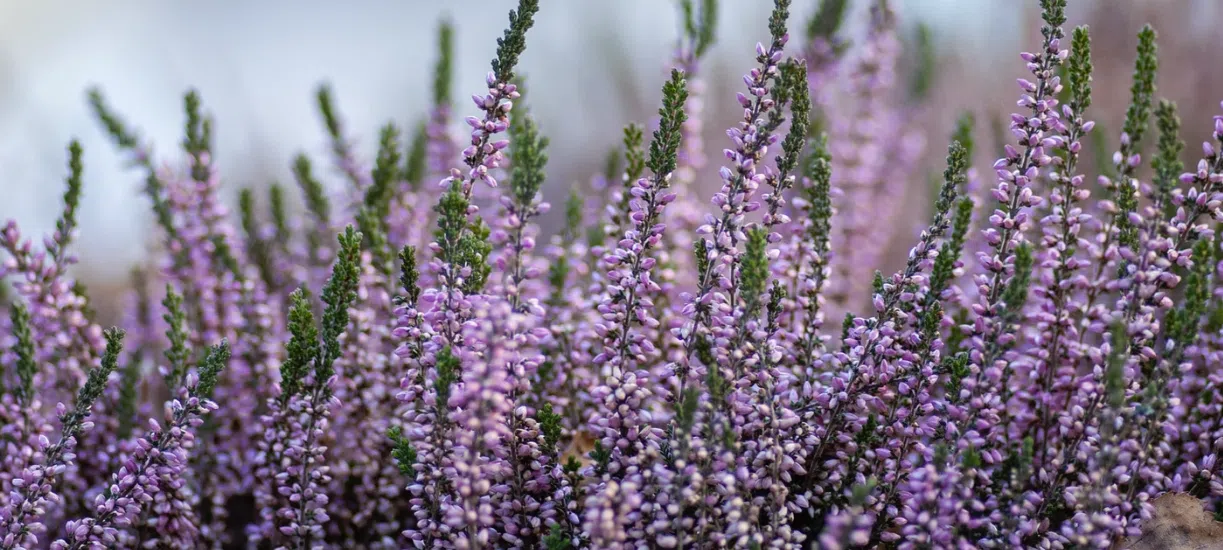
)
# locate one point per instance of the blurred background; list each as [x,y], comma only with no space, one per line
[592,67]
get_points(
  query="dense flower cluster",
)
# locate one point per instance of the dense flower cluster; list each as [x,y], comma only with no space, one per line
[659,373]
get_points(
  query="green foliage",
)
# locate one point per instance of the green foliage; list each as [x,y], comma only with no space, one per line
[95,381]
[954,177]
[66,224]
[1016,292]
[338,294]
[1114,371]
[312,190]
[197,140]
[819,170]
[1078,70]
[303,347]
[601,458]
[210,368]
[1126,197]
[409,276]
[700,24]
[573,215]
[964,133]
[664,148]
[957,368]
[326,108]
[443,71]
[1054,14]
[928,326]
[551,425]
[777,20]
[685,414]
[634,166]
[528,157]
[377,197]
[1142,91]
[258,250]
[827,20]
[794,78]
[447,366]
[514,42]
[861,492]
[414,163]
[754,270]
[558,270]
[402,452]
[376,203]
[971,459]
[927,63]
[23,350]
[246,213]
[847,323]
[127,140]
[129,397]
[280,218]
[177,353]
[115,126]
[1167,163]
[463,243]
[557,539]
[953,247]
[700,252]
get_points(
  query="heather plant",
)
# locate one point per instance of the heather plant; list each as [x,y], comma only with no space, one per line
[413,362]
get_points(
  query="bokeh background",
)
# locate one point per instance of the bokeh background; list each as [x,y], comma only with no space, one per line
[592,67]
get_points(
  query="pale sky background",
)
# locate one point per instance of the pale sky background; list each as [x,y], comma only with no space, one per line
[257,63]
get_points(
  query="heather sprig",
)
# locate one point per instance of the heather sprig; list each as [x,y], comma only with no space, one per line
[34,489]
[376,203]
[627,304]
[317,202]
[142,155]
[341,146]
[514,42]
[700,24]
[158,463]
[1059,265]
[528,158]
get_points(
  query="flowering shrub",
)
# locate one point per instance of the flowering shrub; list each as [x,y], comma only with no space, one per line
[658,373]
